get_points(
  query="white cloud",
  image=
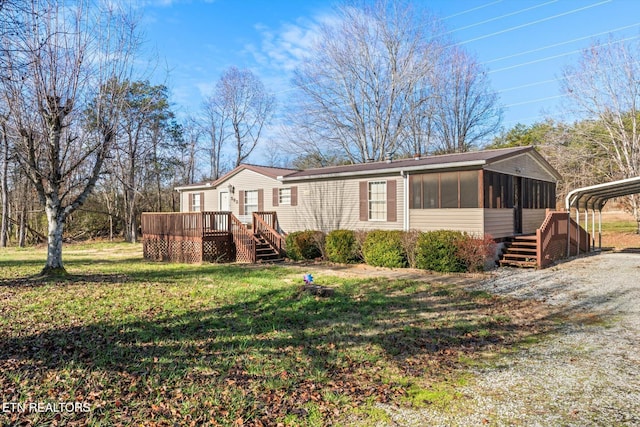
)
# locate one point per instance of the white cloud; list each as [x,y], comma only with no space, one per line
[283,48]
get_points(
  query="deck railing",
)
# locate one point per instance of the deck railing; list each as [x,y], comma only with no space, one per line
[243,239]
[552,238]
[187,224]
[265,224]
[215,222]
[269,218]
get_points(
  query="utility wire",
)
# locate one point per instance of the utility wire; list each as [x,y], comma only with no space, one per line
[538,21]
[500,17]
[464,12]
[590,36]
[522,64]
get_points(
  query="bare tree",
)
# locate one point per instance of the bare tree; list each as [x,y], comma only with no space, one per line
[191,146]
[216,127]
[4,182]
[603,86]
[236,113]
[64,57]
[357,87]
[466,109]
[144,116]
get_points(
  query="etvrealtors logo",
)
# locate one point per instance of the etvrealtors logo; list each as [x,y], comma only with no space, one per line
[37,407]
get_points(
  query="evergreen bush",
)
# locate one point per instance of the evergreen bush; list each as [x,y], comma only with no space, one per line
[438,251]
[383,248]
[341,246]
[302,245]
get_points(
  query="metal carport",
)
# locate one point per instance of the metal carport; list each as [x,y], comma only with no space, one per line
[594,198]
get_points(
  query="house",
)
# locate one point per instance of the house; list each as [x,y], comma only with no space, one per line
[502,192]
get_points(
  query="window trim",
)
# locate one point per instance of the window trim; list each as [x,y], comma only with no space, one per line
[196,207]
[247,211]
[382,202]
[280,197]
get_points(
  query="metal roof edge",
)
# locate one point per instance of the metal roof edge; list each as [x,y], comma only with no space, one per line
[633,185]
[384,171]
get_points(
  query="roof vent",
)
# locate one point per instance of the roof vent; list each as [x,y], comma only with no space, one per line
[389,156]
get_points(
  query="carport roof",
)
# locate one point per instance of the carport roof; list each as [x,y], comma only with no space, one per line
[595,196]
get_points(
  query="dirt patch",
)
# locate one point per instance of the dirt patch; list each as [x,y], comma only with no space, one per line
[620,241]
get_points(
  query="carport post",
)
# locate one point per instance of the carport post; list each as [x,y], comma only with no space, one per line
[600,229]
[568,232]
[593,229]
[586,224]
[578,230]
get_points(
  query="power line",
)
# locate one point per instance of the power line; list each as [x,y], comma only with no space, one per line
[538,21]
[524,86]
[561,43]
[501,17]
[464,12]
[522,64]
[534,101]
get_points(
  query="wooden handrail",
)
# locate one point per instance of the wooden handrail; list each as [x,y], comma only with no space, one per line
[271,218]
[244,240]
[262,228]
[552,237]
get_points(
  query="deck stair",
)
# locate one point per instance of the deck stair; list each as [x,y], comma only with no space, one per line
[520,251]
[265,252]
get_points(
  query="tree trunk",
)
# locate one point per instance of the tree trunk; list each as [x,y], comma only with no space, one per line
[55,220]
[4,226]
[22,230]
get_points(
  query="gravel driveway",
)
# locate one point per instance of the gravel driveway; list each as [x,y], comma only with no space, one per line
[585,375]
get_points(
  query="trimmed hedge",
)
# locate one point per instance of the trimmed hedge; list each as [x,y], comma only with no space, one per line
[383,248]
[438,251]
[341,246]
[304,244]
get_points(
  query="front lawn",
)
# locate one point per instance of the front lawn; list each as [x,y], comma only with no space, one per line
[124,341]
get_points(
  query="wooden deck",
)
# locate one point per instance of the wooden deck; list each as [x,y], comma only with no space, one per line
[194,237]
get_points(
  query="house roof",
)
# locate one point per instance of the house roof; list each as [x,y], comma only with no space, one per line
[444,161]
[268,171]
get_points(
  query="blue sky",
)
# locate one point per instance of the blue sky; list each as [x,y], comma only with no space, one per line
[524,44]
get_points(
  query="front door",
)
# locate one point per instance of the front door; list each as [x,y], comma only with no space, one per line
[517,205]
[224,206]
[224,201]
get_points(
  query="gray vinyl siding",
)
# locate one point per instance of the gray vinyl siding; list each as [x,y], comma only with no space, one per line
[524,165]
[532,219]
[210,199]
[469,220]
[498,222]
[334,204]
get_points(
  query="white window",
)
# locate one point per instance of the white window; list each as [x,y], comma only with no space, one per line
[250,202]
[284,196]
[378,200]
[195,202]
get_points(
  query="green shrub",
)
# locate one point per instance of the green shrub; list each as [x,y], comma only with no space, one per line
[384,249]
[304,244]
[341,246]
[438,251]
